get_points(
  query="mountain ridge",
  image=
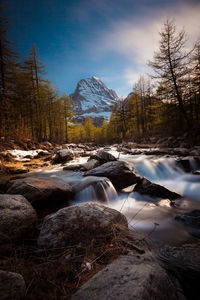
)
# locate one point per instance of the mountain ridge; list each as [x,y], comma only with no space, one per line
[93,98]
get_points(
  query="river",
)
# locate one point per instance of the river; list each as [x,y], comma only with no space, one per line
[153,216]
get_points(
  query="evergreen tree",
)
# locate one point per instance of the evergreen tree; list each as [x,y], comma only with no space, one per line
[170,65]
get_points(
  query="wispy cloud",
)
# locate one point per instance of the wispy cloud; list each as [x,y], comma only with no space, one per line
[137,39]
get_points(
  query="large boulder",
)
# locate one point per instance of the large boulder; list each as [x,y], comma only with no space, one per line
[120,173]
[103,156]
[17,217]
[129,277]
[74,224]
[12,286]
[154,190]
[63,156]
[36,189]
[184,262]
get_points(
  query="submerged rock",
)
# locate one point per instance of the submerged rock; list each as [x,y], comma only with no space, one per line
[12,286]
[154,190]
[17,217]
[74,224]
[129,277]
[39,189]
[120,173]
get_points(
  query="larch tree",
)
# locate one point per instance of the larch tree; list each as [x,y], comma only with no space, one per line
[170,65]
[35,71]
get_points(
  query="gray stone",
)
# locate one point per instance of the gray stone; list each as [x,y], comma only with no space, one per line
[62,156]
[76,223]
[12,286]
[129,277]
[17,217]
[91,164]
[39,189]
[155,190]
[120,173]
[103,156]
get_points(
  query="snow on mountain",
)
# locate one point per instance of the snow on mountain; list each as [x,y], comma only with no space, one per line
[92,98]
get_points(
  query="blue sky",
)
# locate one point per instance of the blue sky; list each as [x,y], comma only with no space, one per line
[110,39]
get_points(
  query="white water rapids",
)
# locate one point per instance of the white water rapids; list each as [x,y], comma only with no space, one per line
[154,217]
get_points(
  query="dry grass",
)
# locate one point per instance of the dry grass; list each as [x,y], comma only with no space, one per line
[58,273]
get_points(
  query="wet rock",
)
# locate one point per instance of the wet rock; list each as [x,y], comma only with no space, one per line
[191,219]
[17,217]
[63,156]
[103,157]
[154,190]
[74,224]
[184,263]
[129,277]
[41,189]
[120,173]
[12,286]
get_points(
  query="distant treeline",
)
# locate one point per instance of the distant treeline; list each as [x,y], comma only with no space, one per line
[31,108]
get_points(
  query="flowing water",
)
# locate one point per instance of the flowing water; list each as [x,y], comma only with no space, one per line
[152,216]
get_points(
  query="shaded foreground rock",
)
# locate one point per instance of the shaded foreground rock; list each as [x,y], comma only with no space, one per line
[154,190]
[129,277]
[75,223]
[40,189]
[184,263]
[12,286]
[17,217]
[120,173]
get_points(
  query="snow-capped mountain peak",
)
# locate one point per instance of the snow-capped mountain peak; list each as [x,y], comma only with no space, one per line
[93,98]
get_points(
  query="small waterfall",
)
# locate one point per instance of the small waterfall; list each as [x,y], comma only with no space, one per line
[93,188]
[158,169]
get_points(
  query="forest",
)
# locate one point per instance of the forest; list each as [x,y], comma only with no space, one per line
[164,103]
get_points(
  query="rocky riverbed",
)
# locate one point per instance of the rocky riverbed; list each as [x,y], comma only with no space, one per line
[122,212]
